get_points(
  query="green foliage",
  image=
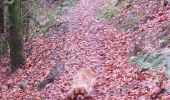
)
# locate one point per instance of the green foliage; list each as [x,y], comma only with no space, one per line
[108,12]
[42,19]
[158,58]
[153,60]
[139,60]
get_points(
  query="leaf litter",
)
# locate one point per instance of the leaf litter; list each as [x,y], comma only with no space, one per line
[87,43]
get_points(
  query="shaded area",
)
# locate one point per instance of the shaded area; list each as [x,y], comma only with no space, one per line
[56,72]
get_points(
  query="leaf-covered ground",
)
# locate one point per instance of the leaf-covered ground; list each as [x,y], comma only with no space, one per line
[81,40]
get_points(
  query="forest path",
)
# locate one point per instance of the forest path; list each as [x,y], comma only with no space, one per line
[83,42]
[95,44]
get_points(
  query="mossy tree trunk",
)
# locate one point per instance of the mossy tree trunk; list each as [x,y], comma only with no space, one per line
[16,35]
[3,43]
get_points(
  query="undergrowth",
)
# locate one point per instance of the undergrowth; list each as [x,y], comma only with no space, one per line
[159,56]
[42,18]
[108,12]
[153,59]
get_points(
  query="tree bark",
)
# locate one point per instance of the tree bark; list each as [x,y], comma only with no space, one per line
[26,15]
[3,44]
[16,35]
[1,18]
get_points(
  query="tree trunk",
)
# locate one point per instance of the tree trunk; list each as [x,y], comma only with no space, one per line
[1,18]
[26,17]
[3,44]
[16,35]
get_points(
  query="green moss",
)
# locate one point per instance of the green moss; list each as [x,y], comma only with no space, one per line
[108,12]
[153,61]
[157,62]
[16,35]
[139,60]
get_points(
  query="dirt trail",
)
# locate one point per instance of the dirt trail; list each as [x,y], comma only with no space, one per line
[95,44]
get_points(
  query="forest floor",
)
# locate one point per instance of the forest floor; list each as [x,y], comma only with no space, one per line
[80,40]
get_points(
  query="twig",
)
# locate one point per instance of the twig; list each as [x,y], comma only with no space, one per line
[27,12]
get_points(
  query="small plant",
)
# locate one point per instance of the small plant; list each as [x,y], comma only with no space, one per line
[108,12]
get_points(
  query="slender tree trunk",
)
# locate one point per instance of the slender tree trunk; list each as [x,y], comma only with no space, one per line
[16,35]
[1,18]
[26,16]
